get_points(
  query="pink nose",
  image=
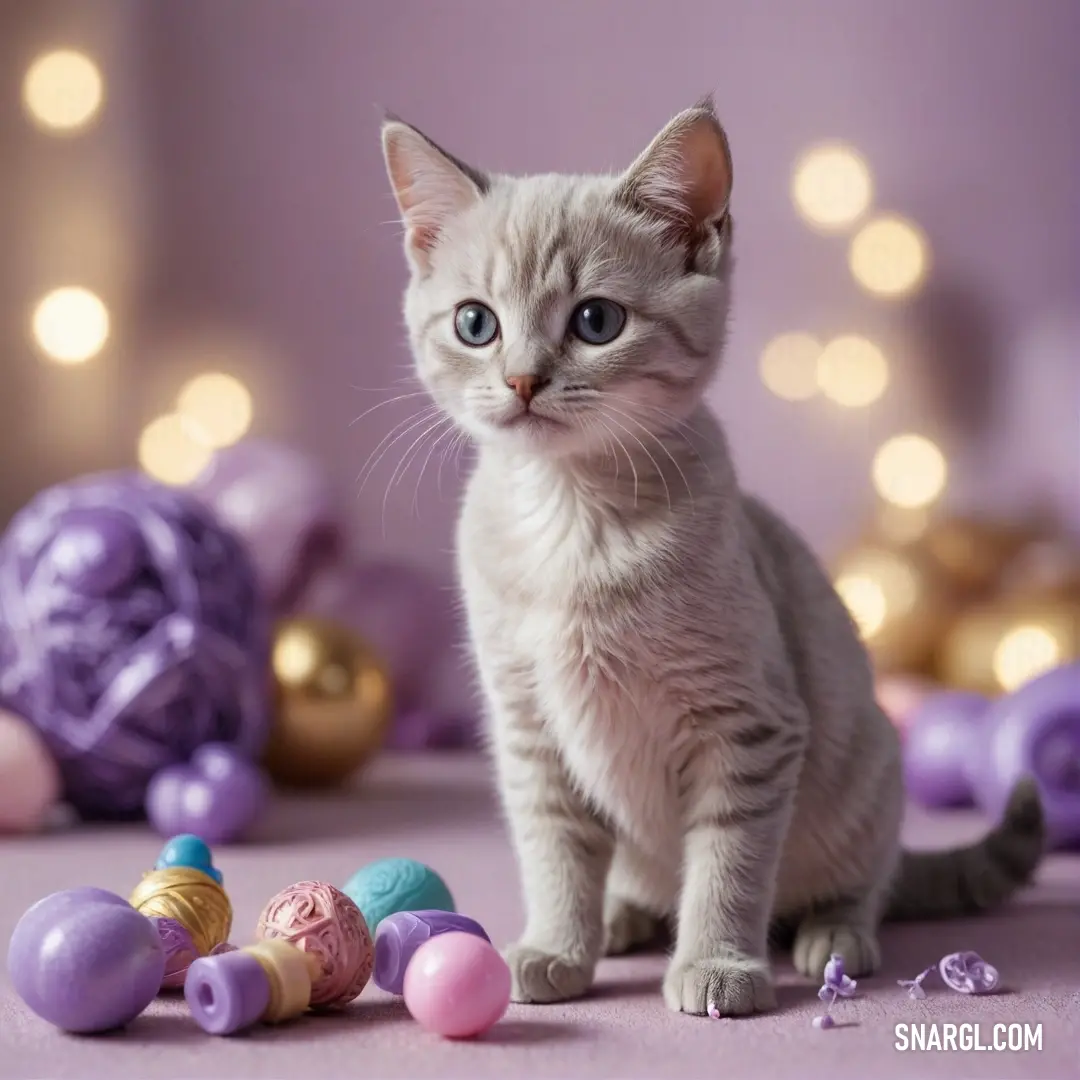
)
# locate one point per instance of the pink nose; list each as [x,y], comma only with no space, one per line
[524,385]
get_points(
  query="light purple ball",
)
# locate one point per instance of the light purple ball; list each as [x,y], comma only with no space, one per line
[281,503]
[405,616]
[419,729]
[85,963]
[218,796]
[940,746]
[1035,731]
[131,632]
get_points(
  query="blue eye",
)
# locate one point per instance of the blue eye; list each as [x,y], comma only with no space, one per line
[597,321]
[475,325]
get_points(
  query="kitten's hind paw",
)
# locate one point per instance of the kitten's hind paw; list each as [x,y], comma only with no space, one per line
[725,986]
[816,941]
[628,927]
[540,978]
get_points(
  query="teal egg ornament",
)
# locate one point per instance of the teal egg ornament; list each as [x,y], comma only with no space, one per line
[385,887]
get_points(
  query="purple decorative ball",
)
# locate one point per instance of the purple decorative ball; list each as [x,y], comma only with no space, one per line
[281,503]
[218,795]
[939,748]
[180,951]
[401,934]
[131,632]
[406,617]
[428,729]
[85,962]
[1035,731]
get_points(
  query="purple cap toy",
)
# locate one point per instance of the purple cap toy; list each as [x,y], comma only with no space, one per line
[399,936]
[228,992]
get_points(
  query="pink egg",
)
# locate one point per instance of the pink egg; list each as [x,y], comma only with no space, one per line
[29,778]
[457,985]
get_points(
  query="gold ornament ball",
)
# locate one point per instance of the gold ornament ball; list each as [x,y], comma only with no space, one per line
[332,701]
[996,647]
[900,601]
[972,553]
[192,898]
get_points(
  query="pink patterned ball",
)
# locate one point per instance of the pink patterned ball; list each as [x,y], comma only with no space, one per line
[321,919]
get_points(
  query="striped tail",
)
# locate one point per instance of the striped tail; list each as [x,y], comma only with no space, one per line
[969,880]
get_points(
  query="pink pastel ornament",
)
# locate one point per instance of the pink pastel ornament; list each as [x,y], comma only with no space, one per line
[322,921]
[457,985]
[29,777]
[901,696]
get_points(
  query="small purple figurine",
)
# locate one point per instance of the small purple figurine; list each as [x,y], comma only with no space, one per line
[836,985]
[399,936]
[968,973]
[914,986]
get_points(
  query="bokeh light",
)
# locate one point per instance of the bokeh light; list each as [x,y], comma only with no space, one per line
[866,601]
[852,371]
[216,409]
[909,471]
[788,366]
[889,257]
[70,325]
[1024,653]
[168,453]
[63,91]
[831,186]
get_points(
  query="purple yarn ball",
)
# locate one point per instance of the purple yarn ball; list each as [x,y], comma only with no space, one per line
[131,632]
[180,951]
[281,503]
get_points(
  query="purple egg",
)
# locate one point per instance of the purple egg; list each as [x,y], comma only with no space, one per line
[1035,731]
[282,504]
[939,747]
[85,964]
[218,796]
[131,632]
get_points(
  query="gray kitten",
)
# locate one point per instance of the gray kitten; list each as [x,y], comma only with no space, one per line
[682,716]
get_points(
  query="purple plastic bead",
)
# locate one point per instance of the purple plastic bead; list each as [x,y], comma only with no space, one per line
[180,951]
[86,960]
[131,632]
[399,936]
[227,993]
[939,748]
[968,973]
[1035,731]
[217,796]
[281,503]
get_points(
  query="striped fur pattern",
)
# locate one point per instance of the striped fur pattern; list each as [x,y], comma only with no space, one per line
[682,717]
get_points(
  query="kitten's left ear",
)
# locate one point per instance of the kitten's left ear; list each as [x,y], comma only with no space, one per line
[684,177]
[430,187]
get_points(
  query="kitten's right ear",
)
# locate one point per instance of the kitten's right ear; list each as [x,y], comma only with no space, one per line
[429,185]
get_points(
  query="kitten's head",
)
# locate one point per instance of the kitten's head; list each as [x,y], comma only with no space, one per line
[556,313]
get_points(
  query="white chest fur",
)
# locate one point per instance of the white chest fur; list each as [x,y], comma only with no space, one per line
[544,573]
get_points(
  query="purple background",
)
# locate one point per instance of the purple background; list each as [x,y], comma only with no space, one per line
[232,210]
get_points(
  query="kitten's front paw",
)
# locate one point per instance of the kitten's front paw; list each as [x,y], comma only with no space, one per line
[816,941]
[727,985]
[540,978]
